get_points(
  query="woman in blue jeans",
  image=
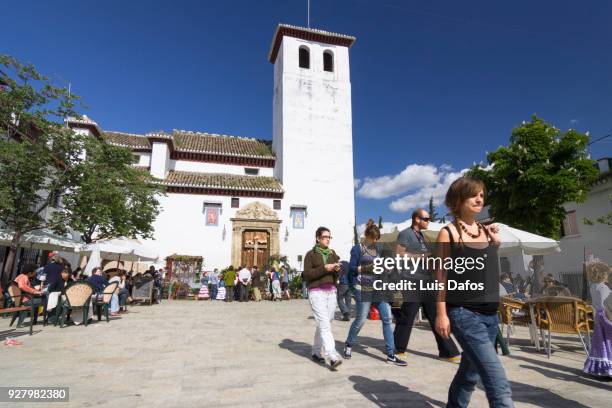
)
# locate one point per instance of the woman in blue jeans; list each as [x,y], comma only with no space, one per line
[475,323]
[361,280]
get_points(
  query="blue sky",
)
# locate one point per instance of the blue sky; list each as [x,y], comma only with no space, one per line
[435,86]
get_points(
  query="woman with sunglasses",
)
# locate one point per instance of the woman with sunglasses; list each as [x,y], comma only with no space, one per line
[321,267]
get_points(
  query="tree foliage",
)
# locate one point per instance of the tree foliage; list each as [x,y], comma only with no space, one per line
[38,154]
[46,180]
[433,215]
[529,180]
[111,197]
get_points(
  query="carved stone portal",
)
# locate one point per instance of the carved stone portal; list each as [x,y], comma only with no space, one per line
[254,217]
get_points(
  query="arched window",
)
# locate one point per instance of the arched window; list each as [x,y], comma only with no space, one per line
[304,57]
[328,61]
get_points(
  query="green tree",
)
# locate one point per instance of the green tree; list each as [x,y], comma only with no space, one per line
[529,180]
[432,210]
[38,154]
[111,197]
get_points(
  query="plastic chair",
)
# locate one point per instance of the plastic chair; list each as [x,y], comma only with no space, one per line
[77,294]
[103,300]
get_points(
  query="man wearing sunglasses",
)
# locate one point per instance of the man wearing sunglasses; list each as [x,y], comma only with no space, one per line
[411,242]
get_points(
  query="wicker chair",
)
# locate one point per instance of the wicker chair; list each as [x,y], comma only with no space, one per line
[559,314]
[14,305]
[77,294]
[513,311]
[103,300]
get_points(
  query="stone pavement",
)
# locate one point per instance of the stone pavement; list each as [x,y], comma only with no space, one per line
[213,354]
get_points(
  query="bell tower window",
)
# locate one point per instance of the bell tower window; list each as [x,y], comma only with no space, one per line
[328,61]
[304,57]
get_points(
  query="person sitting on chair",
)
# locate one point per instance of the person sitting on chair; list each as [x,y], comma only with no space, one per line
[23,282]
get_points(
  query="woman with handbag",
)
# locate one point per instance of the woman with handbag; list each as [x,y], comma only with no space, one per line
[361,280]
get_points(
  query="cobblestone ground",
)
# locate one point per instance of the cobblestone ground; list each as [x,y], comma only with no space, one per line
[213,354]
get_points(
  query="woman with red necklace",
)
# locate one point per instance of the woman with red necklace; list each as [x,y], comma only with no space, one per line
[474,324]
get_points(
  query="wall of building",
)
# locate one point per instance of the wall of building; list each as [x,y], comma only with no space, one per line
[595,239]
[144,159]
[183,165]
[312,138]
[181,228]
[160,159]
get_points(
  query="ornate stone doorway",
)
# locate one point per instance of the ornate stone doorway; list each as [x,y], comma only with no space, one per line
[254,235]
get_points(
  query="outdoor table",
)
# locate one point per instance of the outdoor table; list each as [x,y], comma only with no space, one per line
[533,327]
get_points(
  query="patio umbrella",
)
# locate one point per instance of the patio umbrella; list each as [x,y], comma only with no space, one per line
[126,249]
[41,239]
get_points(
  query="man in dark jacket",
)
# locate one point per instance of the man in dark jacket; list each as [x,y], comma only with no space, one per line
[412,243]
[53,271]
[97,280]
[344,292]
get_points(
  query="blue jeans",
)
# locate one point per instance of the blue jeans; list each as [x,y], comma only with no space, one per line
[363,308]
[476,334]
[214,289]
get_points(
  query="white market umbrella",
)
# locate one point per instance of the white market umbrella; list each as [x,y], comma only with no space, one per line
[129,249]
[119,249]
[41,239]
[513,240]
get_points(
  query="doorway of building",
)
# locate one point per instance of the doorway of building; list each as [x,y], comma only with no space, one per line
[255,248]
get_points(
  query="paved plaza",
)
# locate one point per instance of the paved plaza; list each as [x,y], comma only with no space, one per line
[213,354]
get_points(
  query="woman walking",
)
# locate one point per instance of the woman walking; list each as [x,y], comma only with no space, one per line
[474,325]
[321,266]
[361,279]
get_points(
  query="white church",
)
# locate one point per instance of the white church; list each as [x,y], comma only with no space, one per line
[237,200]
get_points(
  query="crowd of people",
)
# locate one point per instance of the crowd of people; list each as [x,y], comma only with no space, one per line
[38,282]
[474,325]
[328,282]
[245,284]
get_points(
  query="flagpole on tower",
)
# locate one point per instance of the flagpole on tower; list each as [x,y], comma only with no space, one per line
[308,13]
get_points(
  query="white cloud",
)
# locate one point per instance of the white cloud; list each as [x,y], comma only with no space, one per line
[356,183]
[574,121]
[412,177]
[420,197]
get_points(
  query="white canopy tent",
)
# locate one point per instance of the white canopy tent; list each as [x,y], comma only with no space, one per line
[513,241]
[41,239]
[119,249]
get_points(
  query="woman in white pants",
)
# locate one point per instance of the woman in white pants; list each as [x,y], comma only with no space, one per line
[321,267]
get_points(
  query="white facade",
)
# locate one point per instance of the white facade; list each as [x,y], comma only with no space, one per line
[312,139]
[181,229]
[183,165]
[312,158]
[595,240]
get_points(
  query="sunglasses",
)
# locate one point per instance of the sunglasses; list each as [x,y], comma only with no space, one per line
[426,219]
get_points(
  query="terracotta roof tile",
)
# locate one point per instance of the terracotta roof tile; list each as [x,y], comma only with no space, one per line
[222,181]
[127,140]
[221,144]
[309,34]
